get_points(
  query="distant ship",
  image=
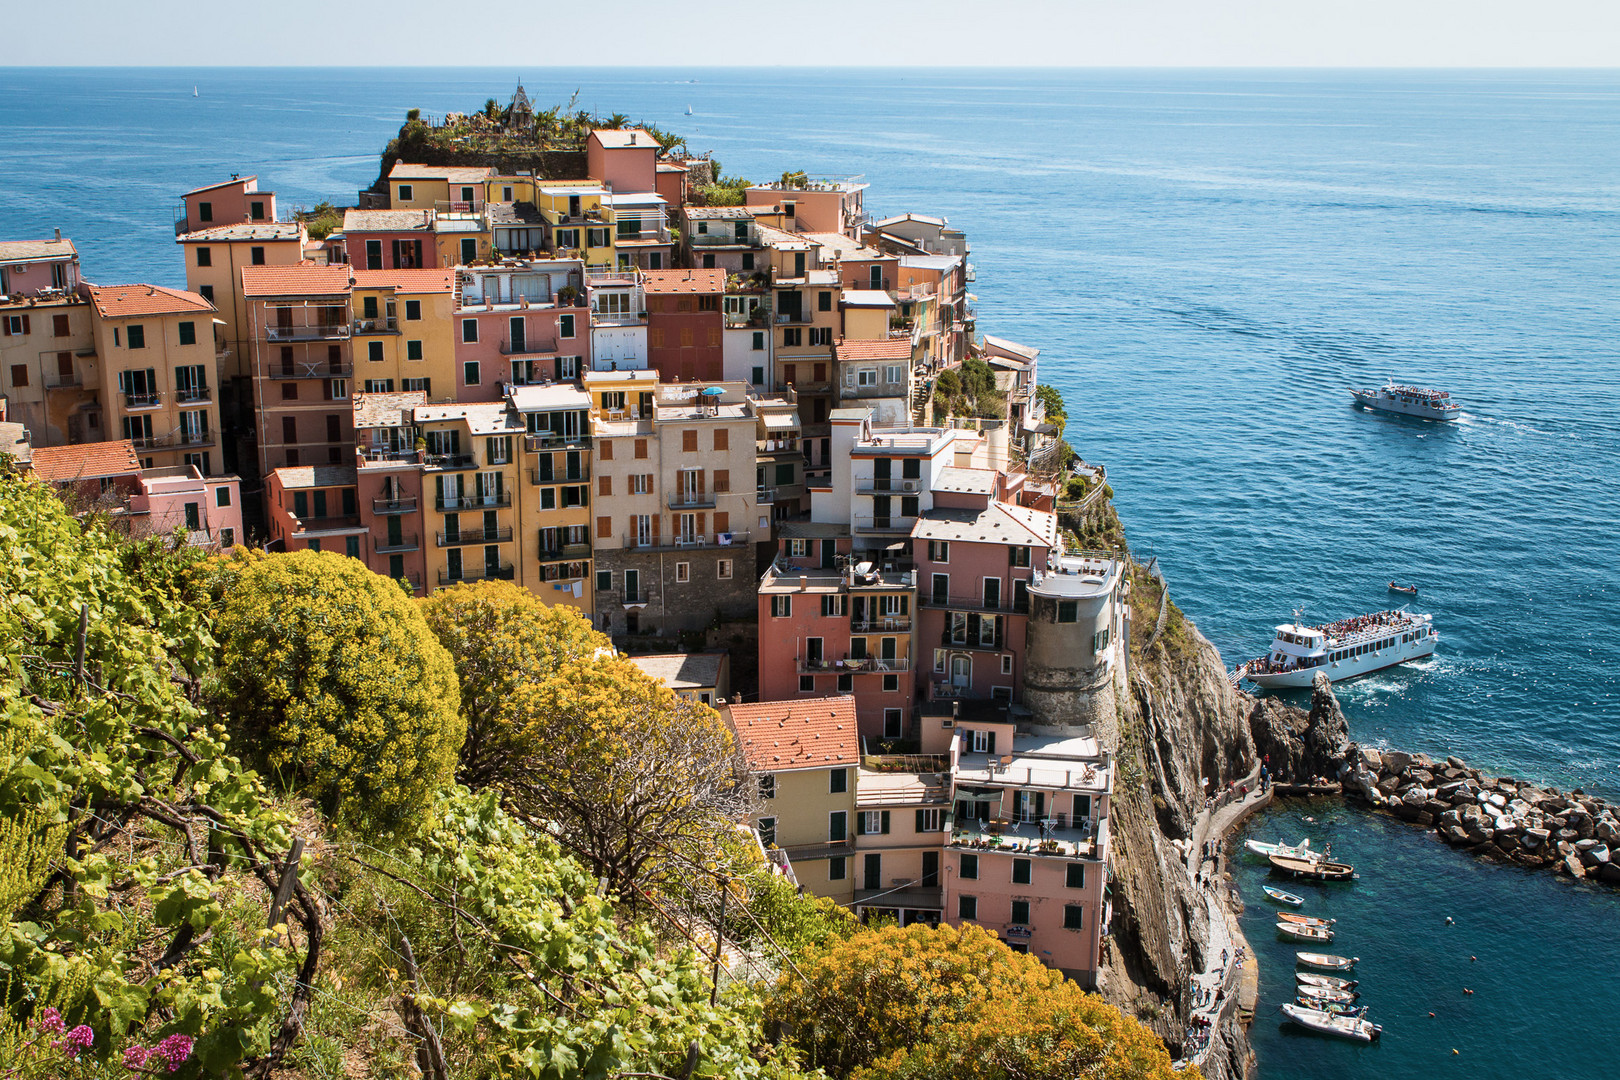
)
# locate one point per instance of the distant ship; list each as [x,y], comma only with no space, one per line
[1342,649]
[1408,401]
[689,110]
[193,91]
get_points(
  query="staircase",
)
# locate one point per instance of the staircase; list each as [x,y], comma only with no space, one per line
[919,403]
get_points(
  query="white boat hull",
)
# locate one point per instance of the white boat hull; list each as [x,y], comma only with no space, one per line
[1345,1027]
[1404,405]
[1351,668]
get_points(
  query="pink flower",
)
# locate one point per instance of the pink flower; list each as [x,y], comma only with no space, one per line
[76,1041]
[172,1051]
[135,1056]
[50,1020]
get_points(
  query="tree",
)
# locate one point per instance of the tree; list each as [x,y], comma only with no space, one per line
[892,1003]
[502,638]
[1052,401]
[335,683]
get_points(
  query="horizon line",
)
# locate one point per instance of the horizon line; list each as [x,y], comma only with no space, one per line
[815,67]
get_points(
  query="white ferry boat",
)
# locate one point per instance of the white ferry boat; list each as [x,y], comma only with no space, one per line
[1409,401]
[1342,649]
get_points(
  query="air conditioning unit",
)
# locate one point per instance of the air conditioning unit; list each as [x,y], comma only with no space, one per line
[500,389]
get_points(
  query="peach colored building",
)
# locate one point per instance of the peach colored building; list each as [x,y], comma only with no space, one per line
[146,502]
[314,507]
[214,260]
[625,160]
[225,203]
[50,380]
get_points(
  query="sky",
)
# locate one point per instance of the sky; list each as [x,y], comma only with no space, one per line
[819,33]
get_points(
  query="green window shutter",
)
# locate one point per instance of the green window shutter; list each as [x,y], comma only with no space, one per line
[990,743]
[885,823]
[919,821]
[860,824]
[1040,804]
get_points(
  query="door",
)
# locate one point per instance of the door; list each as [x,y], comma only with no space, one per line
[882,469]
[872,871]
[961,672]
[877,278]
[396,532]
[518,342]
[374,255]
[453,564]
[992,593]
[941,590]
[632,586]
[469,249]
[492,561]
[930,870]
[688,526]
[880,511]
[812,652]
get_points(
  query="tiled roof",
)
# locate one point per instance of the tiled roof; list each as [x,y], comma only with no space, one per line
[384,409]
[86,461]
[714,213]
[243,180]
[129,301]
[682,671]
[1017,351]
[873,349]
[683,281]
[314,476]
[813,733]
[617,138]
[246,230]
[386,220]
[296,280]
[998,523]
[442,279]
[456,174]
[27,250]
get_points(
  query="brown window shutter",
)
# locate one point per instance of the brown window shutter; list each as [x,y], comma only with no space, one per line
[27,327]
[702,520]
[722,439]
[604,528]
[604,485]
[607,449]
[722,521]
[722,481]
[689,441]
[641,448]
[657,520]
[700,478]
[59,325]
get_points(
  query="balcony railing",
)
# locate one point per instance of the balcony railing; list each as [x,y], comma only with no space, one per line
[321,369]
[502,573]
[639,596]
[794,318]
[698,240]
[693,500]
[330,332]
[385,546]
[449,461]
[876,390]
[990,644]
[578,476]
[190,394]
[474,502]
[536,345]
[883,624]
[413,580]
[404,504]
[193,438]
[387,325]
[564,552]
[776,446]
[548,440]
[843,665]
[682,542]
[894,523]
[1004,605]
[64,382]
[765,496]
[143,401]
[382,454]
[475,536]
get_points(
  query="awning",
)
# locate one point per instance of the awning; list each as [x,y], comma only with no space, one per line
[781,420]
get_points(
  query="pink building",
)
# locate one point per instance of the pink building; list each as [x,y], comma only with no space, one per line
[147,502]
[522,323]
[390,239]
[625,160]
[226,203]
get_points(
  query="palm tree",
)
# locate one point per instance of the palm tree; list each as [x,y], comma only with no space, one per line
[616,121]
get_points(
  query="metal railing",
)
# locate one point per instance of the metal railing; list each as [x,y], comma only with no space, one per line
[386,325]
[564,552]
[473,502]
[749,239]
[63,382]
[583,474]
[384,546]
[548,440]
[335,331]
[1004,605]
[693,500]
[536,346]
[193,393]
[500,535]
[449,461]
[765,496]
[843,665]
[322,369]
[684,541]
[404,504]
[864,523]
[143,401]
[502,573]
[883,624]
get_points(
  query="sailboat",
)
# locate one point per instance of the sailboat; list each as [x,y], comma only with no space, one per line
[193,91]
[689,110]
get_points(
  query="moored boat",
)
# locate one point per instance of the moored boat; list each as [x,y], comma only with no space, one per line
[1304,920]
[1337,1008]
[1341,650]
[1418,401]
[1333,982]
[1301,932]
[1318,869]
[1405,590]
[1326,961]
[1326,993]
[1282,897]
[1261,848]
[1345,1027]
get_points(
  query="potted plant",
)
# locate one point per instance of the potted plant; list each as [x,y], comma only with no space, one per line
[566,294]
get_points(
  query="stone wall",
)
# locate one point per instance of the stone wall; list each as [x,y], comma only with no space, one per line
[674,606]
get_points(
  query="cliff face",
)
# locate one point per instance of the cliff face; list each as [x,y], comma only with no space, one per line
[1180,721]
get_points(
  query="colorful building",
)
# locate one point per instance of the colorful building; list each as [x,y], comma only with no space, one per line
[684,324]
[50,373]
[108,477]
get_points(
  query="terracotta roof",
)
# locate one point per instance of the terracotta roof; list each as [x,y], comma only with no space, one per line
[86,461]
[812,733]
[28,250]
[246,230]
[683,281]
[873,349]
[407,281]
[384,409]
[130,301]
[386,220]
[617,138]
[459,174]
[243,180]
[296,280]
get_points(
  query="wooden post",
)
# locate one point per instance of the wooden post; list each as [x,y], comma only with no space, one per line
[78,652]
[719,941]
[289,876]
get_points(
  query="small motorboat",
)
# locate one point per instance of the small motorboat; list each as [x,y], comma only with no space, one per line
[1345,1027]
[1332,982]
[1404,590]
[1337,1008]
[1300,850]
[1301,932]
[1326,961]
[1326,993]
[1282,897]
[1304,920]
[1314,868]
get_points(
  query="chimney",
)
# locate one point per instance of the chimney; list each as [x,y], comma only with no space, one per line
[804,582]
[150,291]
[58,236]
[632,138]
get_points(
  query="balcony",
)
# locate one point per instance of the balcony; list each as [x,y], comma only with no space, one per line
[192,438]
[449,461]
[321,369]
[865,523]
[876,390]
[386,325]
[143,401]
[1025,838]
[403,504]
[1003,605]
[501,573]
[709,240]
[686,542]
[550,440]
[694,500]
[381,455]
[191,394]
[795,318]
[869,665]
[413,580]
[883,624]
[887,486]
[329,332]
[475,536]
[577,476]
[473,502]
[765,496]
[638,598]
[64,382]
[529,346]
[995,643]
[564,552]
[323,522]
[776,447]
[384,546]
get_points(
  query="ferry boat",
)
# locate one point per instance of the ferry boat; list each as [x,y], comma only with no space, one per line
[1416,401]
[1343,649]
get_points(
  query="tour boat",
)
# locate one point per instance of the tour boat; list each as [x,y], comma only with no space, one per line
[1304,920]
[1301,932]
[1317,869]
[1342,649]
[1337,1008]
[1326,961]
[1260,847]
[1326,993]
[1282,897]
[1332,982]
[1416,401]
[1345,1027]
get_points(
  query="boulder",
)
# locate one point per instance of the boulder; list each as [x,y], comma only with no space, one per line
[1567,836]
[1421,776]
[1596,856]
[1572,866]
[1423,761]
[1531,794]
[1371,760]
[1455,834]
[1608,832]
[1389,785]
[1534,838]
[1585,845]
[1424,818]
[1396,762]
[1414,796]
[1564,848]
[1404,810]
[1450,820]
[1461,796]
[1477,832]
[1456,763]
[1436,807]
[1497,800]
[1610,872]
[1584,825]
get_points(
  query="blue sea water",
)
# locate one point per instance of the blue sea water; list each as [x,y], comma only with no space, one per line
[1207,261]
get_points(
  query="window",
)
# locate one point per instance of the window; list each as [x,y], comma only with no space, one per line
[767,831]
[565,326]
[1018,555]
[722,569]
[1068,611]
[821,335]
[892,721]
[807,684]
[256,211]
[1006,663]
[833,606]
[604,449]
[1075,876]
[824,301]
[838,781]
[137,336]
[792,338]
[374,352]
[838,826]
[1074,917]
[469,373]
[469,331]
[289,391]
[683,573]
[1020,912]
[227,538]
[205,211]
[939,551]
[604,485]
[641,484]
[722,439]
[759,346]
[931,820]
[641,448]
[767,785]
[748,260]
[222,496]
[206,292]
[604,578]
[798,548]
[836,868]
[689,441]
[19,374]
[256,256]
[373,386]
[413,310]
[872,822]
[413,350]
[205,256]
[497,449]
[967,907]
[188,333]
[1020,871]
[405,193]
[891,683]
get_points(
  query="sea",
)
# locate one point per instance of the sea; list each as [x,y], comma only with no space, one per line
[1207,261]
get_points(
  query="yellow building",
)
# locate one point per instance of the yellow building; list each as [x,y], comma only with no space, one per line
[403,337]
[214,260]
[49,375]
[555,493]
[803,755]
[437,187]
[579,222]
[472,498]
[157,353]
